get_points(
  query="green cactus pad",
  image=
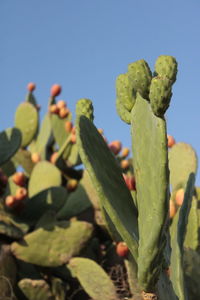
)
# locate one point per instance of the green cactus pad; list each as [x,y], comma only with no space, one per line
[93,279]
[192,233]
[43,176]
[26,119]
[8,168]
[182,162]
[140,75]
[166,66]
[58,288]
[150,162]
[35,289]
[77,202]
[50,199]
[11,228]
[124,91]
[84,107]
[23,158]
[123,113]
[131,269]
[10,141]
[178,231]
[160,95]
[58,242]
[108,181]
[73,158]
[8,274]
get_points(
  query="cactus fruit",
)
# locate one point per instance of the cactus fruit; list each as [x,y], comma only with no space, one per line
[179,197]
[115,147]
[19,178]
[31,86]
[53,109]
[122,249]
[61,104]
[21,194]
[125,152]
[55,90]
[63,112]
[35,157]
[10,201]
[170,141]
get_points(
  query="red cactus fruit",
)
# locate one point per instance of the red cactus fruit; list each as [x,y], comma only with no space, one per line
[63,112]
[68,126]
[125,152]
[61,104]
[179,197]
[19,178]
[31,86]
[55,90]
[10,201]
[115,147]
[124,164]
[53,157]
[170,141]
[53,109]
[72,185]
[21,194]
[122,249]
[172,209]
[35,157]
[130,182]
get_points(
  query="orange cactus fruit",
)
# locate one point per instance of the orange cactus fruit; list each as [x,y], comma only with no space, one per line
[53,109]
[125,152]
[124,164]
[170,141]
[122,249]
[115,147]
[63,112]
[179,197]
[72,185]
[172,209]
[55,90]
[68,126]
[73,138]
[10,201]
[31,86]
[130,182]
[53,157]
[61,104]
[73,131]
[35,157]
[21,194]
[19,178]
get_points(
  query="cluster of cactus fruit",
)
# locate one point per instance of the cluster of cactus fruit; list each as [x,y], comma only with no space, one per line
[80,219]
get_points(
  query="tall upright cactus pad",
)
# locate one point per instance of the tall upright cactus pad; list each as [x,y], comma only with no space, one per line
[58,242]
[182,162]
[93,279]
[140,75]
[166,66]
[192,232]
[150,163]
[108,181]
[36,289]
[26,119]
[178,231]
[39,180]
[10,141]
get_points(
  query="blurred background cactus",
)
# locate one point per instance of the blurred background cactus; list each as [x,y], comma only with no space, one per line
[82,218]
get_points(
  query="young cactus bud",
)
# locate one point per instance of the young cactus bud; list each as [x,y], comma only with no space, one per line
[55,90]
[166,66]
[160,95]
[19,178]
[140,75]
[170,141]
[85,107]
[122,249]
[31,86]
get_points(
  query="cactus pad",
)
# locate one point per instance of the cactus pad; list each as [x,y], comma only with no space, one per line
[26,119]
[93,279]
[10,141]
[36,289]
[39,180]
[123,113]
[124,91]
[166,66]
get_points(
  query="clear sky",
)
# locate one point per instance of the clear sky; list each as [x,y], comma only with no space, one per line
[85,44]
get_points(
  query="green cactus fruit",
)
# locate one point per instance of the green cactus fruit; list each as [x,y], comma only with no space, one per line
[125,92]
[23,158]
[123,113]
[10,141]
[93,279]
[160,95]
[140,75]
[35,289]
[26,119]
[58,242]
[182,162]
[192,233]
[50,199]
[108,181]
[150,161]
[178,231]
[84,107]
[8,274]
[166,66]
[43,176]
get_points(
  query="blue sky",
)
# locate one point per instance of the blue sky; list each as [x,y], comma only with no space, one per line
[84,45]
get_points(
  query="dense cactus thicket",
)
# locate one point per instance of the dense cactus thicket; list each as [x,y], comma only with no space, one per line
[81,218]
